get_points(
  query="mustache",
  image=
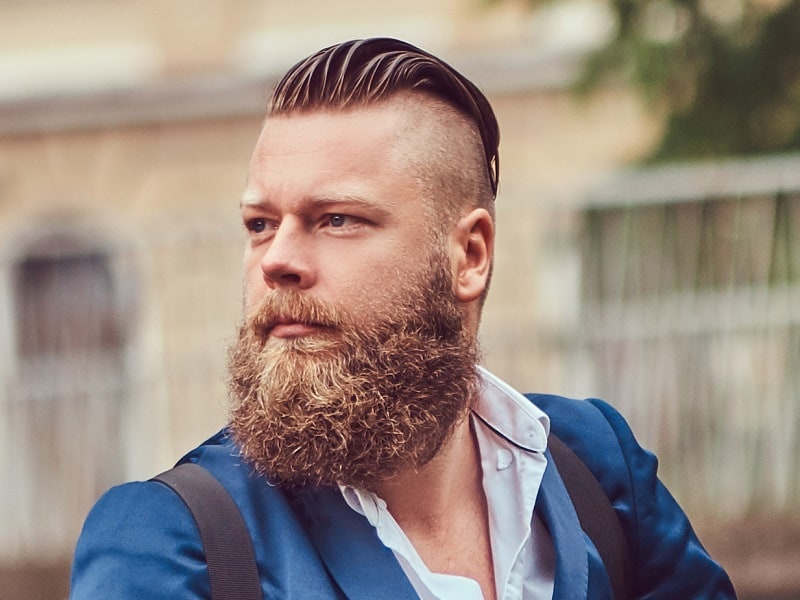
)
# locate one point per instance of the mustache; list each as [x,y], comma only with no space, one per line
[292,307]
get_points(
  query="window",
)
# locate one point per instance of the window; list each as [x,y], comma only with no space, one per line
[68,394]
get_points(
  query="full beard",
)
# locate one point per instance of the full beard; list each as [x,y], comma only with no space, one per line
[361,401]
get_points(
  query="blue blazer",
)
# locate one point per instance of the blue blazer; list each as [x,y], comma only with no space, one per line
[140,541]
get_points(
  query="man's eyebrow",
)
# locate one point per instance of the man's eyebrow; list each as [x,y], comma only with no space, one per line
[252,199]
[342,200]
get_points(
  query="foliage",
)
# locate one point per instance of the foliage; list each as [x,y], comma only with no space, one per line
[724,73]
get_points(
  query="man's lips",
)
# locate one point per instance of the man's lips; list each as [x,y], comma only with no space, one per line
[288,328]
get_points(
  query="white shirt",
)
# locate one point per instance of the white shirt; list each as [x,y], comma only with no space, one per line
[512,437]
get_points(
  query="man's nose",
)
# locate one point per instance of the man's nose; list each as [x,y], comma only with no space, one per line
[287,261]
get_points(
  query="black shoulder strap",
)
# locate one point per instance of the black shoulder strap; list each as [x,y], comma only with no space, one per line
[229,549]
[596,515]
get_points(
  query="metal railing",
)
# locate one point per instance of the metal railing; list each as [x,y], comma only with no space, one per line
[691,324]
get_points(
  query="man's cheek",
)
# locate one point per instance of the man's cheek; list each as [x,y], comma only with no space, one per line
[252,295]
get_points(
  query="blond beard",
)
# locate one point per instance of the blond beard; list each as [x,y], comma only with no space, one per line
[361,401]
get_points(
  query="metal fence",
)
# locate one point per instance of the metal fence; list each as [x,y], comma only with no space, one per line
[691,323]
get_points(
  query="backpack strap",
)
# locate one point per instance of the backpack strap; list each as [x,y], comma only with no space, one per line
[596,515]
[227,544]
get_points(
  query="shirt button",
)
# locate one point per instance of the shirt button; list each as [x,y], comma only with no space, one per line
[504,459]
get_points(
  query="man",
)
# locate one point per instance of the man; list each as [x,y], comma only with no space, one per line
[368,454]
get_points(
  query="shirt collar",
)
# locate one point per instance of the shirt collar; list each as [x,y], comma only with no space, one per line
[510,414]
[503,410]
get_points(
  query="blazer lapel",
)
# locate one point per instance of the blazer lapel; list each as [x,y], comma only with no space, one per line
[349,546]
[572,560]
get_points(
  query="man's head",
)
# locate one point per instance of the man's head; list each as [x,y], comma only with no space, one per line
[369,215]
[363,72]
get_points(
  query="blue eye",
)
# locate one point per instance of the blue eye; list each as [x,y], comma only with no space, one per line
[337,220]
[256,225]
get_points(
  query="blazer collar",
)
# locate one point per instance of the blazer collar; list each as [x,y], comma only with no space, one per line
[349,546]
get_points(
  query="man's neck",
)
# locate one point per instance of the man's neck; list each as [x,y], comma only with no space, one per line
[442,509]
[426,495]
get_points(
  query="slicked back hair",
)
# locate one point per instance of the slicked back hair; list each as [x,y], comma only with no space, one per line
[364,72]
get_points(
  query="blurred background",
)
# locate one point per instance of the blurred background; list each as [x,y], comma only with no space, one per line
[648,250]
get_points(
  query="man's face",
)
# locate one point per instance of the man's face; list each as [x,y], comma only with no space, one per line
[332,213]
[353,361]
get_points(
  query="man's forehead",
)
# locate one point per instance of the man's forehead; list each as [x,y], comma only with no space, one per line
[328,156]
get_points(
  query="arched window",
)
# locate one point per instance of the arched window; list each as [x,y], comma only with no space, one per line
[68,395]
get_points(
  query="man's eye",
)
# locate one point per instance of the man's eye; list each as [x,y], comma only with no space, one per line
[256,225]
[337,220]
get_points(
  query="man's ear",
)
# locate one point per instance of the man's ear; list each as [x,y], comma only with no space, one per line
[472,249]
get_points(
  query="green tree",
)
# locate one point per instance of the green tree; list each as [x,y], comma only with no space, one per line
[724,73]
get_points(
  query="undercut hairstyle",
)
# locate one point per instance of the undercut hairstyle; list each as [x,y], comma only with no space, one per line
[364,72]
